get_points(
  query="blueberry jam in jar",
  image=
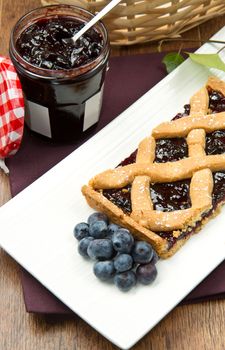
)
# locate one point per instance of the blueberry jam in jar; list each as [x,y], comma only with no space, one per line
[62,83]
[43,44]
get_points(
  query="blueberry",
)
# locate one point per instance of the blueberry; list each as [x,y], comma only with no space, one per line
[101,249]
[98,229]
[83,245]
[125,280]
[155,257]
[142,252]
[104,270]
[123,262]
[47,64]
[97,216]
[146,274]
[81,230]
[122,241]
[111,229]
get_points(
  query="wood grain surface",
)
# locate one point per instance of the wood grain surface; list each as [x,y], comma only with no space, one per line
[198,326]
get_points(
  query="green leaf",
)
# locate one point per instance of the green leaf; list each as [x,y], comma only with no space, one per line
[208,60]
[172,60]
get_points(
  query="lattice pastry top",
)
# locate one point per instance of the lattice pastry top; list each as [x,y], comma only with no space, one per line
[198,166]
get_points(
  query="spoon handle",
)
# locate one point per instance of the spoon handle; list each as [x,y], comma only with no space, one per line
[95,19]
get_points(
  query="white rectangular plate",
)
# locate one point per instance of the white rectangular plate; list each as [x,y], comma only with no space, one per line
[37,225]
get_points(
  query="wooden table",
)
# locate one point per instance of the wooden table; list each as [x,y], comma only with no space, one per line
[199,326]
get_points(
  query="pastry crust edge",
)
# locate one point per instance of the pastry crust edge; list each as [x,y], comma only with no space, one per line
[98,202]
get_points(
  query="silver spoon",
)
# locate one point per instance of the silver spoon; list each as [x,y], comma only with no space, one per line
[94,20]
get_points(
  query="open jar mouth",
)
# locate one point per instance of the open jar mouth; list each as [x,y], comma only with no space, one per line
[57,12]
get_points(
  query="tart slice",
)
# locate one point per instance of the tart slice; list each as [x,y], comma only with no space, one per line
[174,182]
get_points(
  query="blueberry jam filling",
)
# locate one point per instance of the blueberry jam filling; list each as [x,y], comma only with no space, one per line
[184,114]
[120,197]
[218,194]
[42,44]
[170,150]
[216,102]
[175,196]
[165,197]
[129,160]
[170,196]
[215,142]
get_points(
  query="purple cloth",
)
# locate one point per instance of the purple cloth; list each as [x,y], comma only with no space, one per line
[127,79]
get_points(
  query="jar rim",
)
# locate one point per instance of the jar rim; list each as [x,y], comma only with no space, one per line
[59,73]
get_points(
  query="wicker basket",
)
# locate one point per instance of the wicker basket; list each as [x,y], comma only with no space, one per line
[138,21]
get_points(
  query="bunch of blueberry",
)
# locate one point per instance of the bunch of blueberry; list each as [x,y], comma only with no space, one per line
[117,255]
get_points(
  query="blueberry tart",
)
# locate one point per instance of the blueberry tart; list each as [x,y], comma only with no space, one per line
[167,189]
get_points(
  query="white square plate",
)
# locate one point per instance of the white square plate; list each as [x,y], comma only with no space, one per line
[37,225]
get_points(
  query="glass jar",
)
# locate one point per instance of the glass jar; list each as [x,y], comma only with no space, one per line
[60,104]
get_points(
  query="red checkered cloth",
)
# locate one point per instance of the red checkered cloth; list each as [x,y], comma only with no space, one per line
[11,109]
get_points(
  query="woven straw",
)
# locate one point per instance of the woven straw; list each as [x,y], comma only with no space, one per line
[138,21]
